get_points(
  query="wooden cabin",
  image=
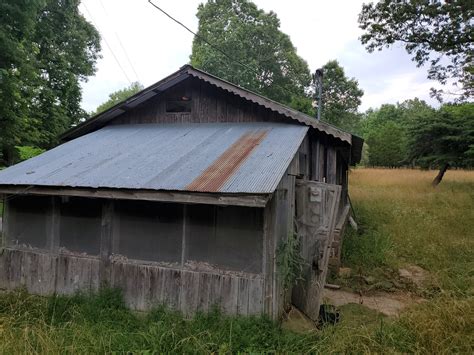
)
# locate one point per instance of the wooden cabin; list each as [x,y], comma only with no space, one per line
[184,195]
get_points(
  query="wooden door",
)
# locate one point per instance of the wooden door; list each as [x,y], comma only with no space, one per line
[316,210]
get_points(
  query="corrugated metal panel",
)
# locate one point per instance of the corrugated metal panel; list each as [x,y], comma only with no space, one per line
[243,157]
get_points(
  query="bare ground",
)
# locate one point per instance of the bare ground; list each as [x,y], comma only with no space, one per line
[390,304]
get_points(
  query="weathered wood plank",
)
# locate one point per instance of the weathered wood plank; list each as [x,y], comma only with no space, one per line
[243,297]
[230,289]
[255,297]
[148,195]
[268,254]
[331,165]
[143,286]
[106,237]
[5,223]
[173,280]
[76,274]
[204,292]
[189,292]
[54,222]
[215,289]
[39,273]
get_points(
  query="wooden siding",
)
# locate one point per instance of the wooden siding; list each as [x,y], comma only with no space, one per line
[209,104]
[143,286]
[278,225]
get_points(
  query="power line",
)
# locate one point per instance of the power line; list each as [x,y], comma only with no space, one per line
[126,56]
[231,58]
[107,43]
[121,45]
[205,40]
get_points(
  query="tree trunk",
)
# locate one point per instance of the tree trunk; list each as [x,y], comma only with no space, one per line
[440,175]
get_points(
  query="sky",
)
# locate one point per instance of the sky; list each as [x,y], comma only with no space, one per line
[139,43]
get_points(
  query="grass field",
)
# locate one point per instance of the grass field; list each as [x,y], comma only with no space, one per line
[403,221]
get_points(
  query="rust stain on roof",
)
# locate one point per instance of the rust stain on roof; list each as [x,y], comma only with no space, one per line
[216,175]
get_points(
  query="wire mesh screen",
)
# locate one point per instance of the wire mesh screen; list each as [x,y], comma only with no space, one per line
[29,221]
[150,231]
[226,237]
[80,225]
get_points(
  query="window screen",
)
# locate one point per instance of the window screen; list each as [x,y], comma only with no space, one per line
[80,225]
[29,221]
[227,237]
[150,231]
[178,104]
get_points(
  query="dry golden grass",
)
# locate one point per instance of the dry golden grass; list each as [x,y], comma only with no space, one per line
[430,227]
[404,220]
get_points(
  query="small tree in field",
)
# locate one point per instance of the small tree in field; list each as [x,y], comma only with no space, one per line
[445,140]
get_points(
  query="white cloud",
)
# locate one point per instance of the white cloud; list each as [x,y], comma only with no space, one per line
[320,30]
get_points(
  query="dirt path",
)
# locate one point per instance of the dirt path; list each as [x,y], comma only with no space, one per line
[390,304]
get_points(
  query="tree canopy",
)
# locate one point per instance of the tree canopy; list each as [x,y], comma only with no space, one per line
[386,131]
[440,33]
[118,96]
[46,48]
[443,140]
[341,97]
[251,36]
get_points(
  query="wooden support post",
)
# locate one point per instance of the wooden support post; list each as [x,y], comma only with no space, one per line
[53,226]
[5,221]
[106,241]
[314,159]
[268,256]
[331,177]
[115,238]
[183,241]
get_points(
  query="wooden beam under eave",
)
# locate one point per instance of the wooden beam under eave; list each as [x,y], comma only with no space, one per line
[247,200]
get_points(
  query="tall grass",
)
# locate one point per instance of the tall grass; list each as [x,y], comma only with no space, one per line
[406,221]
[403,220]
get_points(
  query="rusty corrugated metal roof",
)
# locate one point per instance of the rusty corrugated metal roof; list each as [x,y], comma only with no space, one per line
[205,157]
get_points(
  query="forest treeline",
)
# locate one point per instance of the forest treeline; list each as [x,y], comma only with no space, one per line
[412,133]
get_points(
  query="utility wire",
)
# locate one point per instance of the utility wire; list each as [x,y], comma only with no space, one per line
[231,58]
[108,45]
[120,42]
[205,40]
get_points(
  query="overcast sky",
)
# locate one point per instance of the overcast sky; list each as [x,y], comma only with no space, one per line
[149,46]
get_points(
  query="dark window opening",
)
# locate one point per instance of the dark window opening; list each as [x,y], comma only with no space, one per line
[179,104]
[80,225]
[150,231]
[29,221]
[225,237]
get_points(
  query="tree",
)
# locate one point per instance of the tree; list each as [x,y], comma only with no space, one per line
[387,146]
[444,140]
[385,135]
[46,48]
[118,96]
[436,32]
[386,131]
[17,20]
[250,36]
[341,97]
